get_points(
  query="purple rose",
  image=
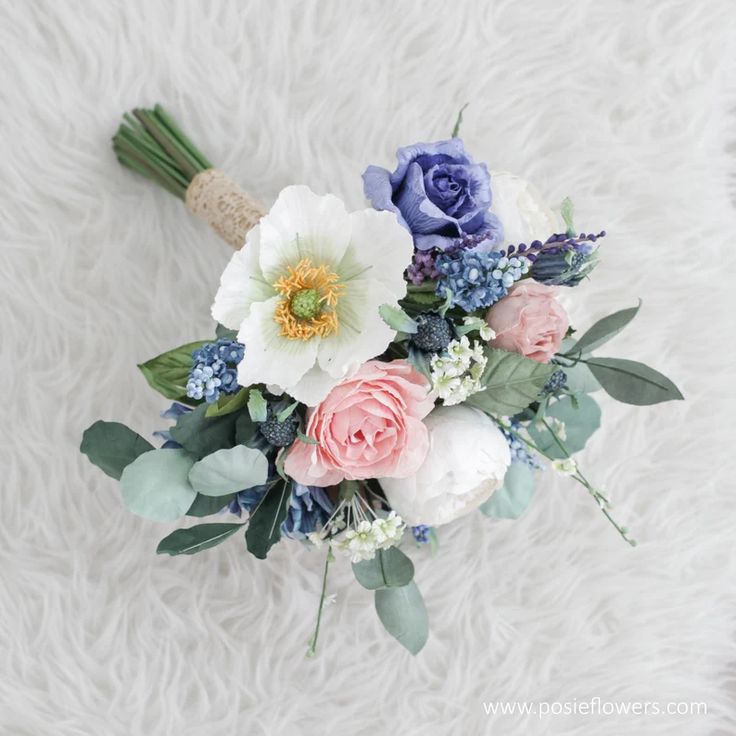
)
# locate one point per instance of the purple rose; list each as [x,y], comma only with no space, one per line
[438,194]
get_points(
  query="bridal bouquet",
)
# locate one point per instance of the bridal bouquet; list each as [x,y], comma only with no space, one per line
[372,375]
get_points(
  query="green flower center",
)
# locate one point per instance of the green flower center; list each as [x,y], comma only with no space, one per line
[306,304]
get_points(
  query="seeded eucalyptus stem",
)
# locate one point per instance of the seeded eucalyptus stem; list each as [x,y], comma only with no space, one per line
[603,502]
[150,143]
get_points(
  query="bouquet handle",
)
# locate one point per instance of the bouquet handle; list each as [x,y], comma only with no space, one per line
[231,212]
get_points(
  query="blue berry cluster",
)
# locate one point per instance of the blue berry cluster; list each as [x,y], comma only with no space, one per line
[421,533]
[214,370]
[557,382]
[519,451]
[477,280]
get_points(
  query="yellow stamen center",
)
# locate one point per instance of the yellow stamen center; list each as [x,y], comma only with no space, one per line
[309,297]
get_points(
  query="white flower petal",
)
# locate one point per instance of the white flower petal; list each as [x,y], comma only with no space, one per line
[314,386]
[362,333]
[302,224]
[241,284]
[380,249]
[270,358]
[523,213]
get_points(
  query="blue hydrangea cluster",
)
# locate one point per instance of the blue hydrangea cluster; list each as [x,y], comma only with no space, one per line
[421,533]
[477,280]
[519,451]
[309,509]
[214,370]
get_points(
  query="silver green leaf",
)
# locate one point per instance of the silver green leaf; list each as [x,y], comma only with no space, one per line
[397,319]
[156,485]
[581,417]
[603,330]
[404,615]
[390,568]
[632,382]
[257,406]
[227,471]
[513,497]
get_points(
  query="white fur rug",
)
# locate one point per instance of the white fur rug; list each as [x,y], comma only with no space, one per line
[625,106]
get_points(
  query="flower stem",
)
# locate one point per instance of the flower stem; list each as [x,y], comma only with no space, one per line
[313,641]
[600,499]
[150,143]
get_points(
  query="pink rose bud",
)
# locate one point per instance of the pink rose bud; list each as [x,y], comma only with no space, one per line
[369,426]
[529,321]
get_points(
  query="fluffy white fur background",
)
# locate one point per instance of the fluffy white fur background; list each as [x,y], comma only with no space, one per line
[626,106]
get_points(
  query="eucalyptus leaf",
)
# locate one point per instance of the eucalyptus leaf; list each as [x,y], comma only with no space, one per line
[404,615]
[632,382]
[511,382]
[228,403]
[390,568]
[257,406]
[420,361]
[397,319]
[603,330]
[202,435]
[156,485]
[581,416]
[513,497]
[196,538]
[264,525]
[580,380]
[229,471]
[168,373]
[209,505]
[112,446]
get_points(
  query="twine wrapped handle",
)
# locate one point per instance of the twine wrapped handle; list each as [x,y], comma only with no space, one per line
[223,205]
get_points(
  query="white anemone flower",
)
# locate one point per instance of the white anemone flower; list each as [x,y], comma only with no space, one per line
[305,289]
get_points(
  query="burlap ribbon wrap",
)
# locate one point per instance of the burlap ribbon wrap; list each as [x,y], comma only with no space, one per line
[223,205]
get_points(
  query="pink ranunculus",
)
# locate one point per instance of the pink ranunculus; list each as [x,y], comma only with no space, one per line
[369,426]
[529,321]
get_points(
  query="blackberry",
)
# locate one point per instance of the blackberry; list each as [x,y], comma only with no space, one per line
[434,333]
[280,434]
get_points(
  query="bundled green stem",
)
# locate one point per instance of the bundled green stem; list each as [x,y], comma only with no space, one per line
[152,144]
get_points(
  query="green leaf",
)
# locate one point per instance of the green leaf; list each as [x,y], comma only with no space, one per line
[223,333]
[229,471]
[567,210]
[195,539]
[209,505]
[284,414]
[397,319]
[580,422]
[390,568]
[603,330]
[228,403]
[511,382]
[420,361]
[632,382]
[305,439]
[458,121]
[580,380]
[264,526]
[404,615]
[257,406]
[168,373]
[112,446]
[156,485]
[513,497]
[246,433]
[202,435]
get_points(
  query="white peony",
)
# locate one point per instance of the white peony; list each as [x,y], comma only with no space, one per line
[305,289]
[467,461]
[523,213]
